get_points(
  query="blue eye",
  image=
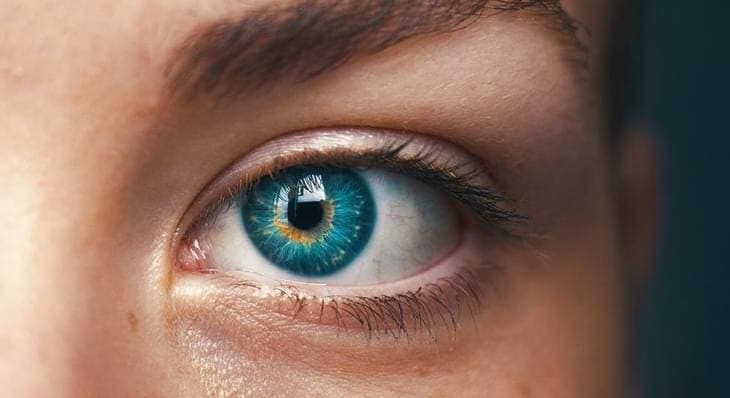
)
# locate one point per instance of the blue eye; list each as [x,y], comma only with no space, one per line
[334,226]
[311,222]
[358,228]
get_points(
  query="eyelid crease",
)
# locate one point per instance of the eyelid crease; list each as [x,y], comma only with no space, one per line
[463,180]
[418,307]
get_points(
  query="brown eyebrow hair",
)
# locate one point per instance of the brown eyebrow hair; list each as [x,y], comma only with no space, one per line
[231,56]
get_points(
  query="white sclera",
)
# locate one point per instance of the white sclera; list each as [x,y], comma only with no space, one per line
[416,228]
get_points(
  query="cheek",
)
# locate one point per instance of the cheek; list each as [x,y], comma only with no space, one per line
[553,328]
[562,326]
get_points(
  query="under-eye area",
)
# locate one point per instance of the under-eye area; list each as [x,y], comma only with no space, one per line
[354,230]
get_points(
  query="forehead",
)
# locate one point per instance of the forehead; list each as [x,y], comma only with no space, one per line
[145,34]
[107,67]
[84,91]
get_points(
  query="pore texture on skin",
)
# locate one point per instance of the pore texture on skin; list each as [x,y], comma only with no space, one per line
[280,42]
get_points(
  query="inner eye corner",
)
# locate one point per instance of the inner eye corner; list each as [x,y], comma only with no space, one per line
[336,227]
[294,223]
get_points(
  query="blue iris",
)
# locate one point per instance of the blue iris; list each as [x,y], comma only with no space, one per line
[310,221]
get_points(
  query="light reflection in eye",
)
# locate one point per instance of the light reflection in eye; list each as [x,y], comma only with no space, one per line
[419,221]
[336,226]
[311,222]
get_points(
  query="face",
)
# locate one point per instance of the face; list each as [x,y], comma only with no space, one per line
[253,199]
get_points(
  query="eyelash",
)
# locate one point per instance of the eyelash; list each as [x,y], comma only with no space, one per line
[400,316]
[439,303]
[457,180]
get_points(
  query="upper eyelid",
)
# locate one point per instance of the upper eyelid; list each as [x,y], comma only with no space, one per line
[458,172]
[407,151]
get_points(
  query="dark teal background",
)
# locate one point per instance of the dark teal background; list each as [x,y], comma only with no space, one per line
[685,341]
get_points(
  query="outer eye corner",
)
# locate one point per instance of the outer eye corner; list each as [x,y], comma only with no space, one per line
[336,229]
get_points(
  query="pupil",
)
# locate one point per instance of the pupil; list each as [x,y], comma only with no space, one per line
[310,221]
[305,215]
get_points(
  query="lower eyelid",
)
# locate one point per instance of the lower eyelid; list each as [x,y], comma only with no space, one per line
[437,308]
[215,318]
[437,300]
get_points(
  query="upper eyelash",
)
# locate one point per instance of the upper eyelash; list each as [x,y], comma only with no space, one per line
[457,179]
[435,306]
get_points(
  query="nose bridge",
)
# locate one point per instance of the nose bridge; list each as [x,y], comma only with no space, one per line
[34,354]
[27,350]
[51,251]
[67,282]
[63,297]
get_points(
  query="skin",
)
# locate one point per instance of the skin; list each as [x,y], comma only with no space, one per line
[98,169]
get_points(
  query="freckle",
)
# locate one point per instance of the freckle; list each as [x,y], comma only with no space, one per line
[524,390]
[421,371]
[133,322]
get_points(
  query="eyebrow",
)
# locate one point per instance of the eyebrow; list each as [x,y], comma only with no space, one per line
[232,56]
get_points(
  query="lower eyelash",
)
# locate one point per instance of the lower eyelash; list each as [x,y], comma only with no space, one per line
[439,306]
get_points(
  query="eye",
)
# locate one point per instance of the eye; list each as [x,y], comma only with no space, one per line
[393,225]
[332,225]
